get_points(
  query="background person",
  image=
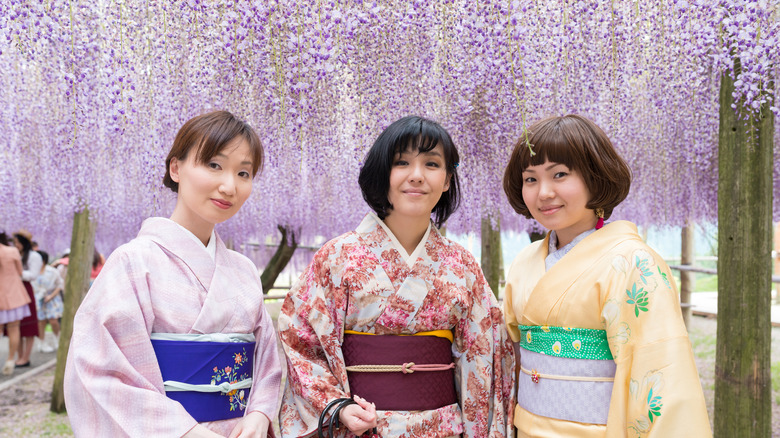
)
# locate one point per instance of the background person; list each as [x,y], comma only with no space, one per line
[31,268]
[48,293]
[13,299]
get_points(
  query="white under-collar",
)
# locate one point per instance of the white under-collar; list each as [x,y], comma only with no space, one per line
[211,248]
[409,259]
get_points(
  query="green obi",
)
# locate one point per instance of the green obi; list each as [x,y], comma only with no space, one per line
[575,343]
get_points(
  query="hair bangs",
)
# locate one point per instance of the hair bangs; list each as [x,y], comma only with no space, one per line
[548,143]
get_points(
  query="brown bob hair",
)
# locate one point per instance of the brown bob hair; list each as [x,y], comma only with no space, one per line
[580,145]
[207,135]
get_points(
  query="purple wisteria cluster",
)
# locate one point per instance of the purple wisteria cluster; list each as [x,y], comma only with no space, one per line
[92,94]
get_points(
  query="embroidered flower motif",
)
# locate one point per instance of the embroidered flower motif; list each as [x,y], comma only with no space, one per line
[644,271]
[236,398]
[534,376]
[637,298]
[557,347]
[577,344]
[528,337]
[654,405]
[664,278]
[546,328]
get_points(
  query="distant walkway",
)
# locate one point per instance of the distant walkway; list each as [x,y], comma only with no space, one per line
[706,303]
[38,362]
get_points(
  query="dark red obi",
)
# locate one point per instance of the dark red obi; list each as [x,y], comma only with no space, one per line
[423,375]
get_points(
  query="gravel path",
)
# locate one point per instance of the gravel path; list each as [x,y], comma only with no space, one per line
[24,408]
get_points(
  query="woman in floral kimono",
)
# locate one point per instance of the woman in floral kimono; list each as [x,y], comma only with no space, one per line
[345,323]
[172,338]
[603,351]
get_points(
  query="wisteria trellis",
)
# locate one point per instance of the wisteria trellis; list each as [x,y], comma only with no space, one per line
[93,91]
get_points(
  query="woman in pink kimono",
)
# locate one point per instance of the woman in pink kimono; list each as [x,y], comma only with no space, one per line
[172,338]
[345,324]
[603,351]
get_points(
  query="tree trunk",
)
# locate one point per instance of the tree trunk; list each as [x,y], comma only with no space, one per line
[742,365]
[82,245]
[492,261]
[280,259]
[687,279]
[777,261]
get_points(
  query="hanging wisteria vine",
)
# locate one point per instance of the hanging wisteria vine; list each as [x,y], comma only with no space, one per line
[92,93]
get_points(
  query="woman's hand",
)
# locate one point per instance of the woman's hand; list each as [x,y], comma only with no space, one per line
[254,425]
[360,417]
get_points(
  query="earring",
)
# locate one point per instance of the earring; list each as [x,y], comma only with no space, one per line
[600,215]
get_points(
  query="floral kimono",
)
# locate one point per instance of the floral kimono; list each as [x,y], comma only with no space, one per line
[365,281]
[608,312]
[165,282]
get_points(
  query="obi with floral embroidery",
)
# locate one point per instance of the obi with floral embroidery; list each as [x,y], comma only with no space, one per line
[210,375]
[565,363]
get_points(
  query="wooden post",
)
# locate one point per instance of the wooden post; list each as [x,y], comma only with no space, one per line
[687,278]
[491,259]
[82,246]
[743,403]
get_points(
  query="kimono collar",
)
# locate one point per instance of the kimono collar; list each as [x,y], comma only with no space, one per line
[371,220]
[555,253]
[211,248]
[176,240]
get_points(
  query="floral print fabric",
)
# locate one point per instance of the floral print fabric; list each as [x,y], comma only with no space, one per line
[359,281]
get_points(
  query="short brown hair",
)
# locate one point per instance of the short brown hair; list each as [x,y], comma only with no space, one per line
[580,145]
[207,134]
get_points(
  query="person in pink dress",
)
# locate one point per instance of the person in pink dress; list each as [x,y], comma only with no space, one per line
[13,299]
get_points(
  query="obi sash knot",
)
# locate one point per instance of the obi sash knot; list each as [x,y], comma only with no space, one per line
[210,375]
[569,373]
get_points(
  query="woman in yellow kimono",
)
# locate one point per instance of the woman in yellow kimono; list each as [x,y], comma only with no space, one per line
[602,348]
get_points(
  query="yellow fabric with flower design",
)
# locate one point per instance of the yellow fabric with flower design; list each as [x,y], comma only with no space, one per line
[612,281]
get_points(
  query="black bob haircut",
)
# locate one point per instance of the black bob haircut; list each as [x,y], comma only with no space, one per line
[415,133]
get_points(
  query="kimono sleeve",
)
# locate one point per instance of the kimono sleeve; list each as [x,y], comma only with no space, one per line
[113,385]
[264,396]
[513,280]
[310,328]
[657,391]
[484,364]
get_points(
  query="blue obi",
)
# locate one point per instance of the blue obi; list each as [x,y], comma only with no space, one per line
[210,375]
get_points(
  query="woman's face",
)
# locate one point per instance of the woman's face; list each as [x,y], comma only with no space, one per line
[212,193]
[18,244]
[417,181]
[556,196]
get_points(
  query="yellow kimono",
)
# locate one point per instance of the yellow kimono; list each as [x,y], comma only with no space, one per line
[607,310]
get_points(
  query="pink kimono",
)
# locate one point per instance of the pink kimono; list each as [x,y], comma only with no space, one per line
[163,281]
